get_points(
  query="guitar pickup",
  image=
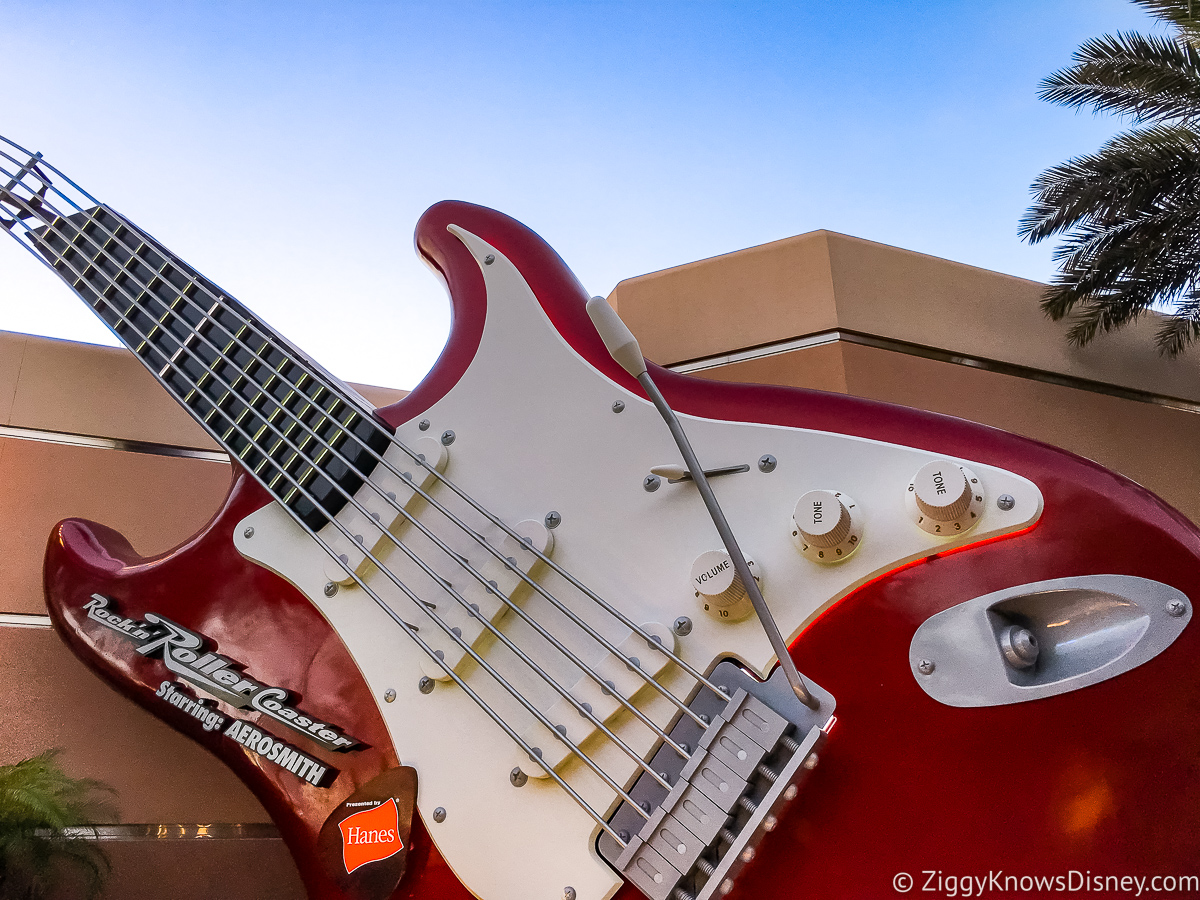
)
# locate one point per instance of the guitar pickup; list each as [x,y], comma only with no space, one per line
[601,701]
[379,497]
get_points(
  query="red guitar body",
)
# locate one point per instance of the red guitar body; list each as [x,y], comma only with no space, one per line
[1104,780]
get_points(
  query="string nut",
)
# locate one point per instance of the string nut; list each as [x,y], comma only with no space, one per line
[447,437]
[423,424]
[517,778]
[425,685]
[439,814]
[248,533]
[330,589]
[389,696]
[767,463]
[553,519]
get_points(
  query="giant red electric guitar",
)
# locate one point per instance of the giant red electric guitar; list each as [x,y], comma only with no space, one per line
[507,586]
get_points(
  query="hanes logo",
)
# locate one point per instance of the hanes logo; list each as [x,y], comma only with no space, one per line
[371,835]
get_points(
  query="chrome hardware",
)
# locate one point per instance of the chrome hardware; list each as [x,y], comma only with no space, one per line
[926,667]
[489,259]
[1006,502]
[389,696]
[553,519]
[248,533]
[439,814]
[426,684]
[651,483]
[682,626]
[1045,638]
[447,437]
[618,406]
[423,424]
[330,589]
[518,778]
[767,463]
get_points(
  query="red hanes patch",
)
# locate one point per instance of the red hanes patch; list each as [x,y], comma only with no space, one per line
[370,836]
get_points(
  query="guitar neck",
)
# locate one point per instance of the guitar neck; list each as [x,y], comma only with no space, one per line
[293,426]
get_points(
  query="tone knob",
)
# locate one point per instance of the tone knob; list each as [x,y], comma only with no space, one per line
[825,527]
[719,587]
[945,498]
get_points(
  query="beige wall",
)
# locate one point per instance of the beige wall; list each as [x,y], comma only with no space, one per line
[825,283]
[52,391]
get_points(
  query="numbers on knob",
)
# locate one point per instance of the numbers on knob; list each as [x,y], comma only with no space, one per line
[827,526]
[944,498]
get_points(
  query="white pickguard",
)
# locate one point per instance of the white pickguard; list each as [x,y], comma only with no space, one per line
[535,431]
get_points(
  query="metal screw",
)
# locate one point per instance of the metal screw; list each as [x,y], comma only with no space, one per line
[748,854]
[810,764]
[447,437]
[767,463]
[770,823]
[423,424]
[682,626]
[1006,502]
[619,406]
[489,259]
[926,667]
[517,778]
[568,893]
[330,589]
[553,519]
[1176,608]
[425,685]
[439,814]
[651,483]
[727,886]
[389,696]
[248,533]
[791,792]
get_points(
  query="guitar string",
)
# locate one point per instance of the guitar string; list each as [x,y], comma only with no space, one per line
[442,624]
[531,708]
[253,325]
[250,323]
[605,685]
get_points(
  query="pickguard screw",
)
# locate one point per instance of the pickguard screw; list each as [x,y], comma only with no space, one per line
[517,778]
[1006,502]
[568,893]
[619,406]
[1176,608]
[926,667]
[651,483]
[439,814]
[248,533]
[423,424]
[447,437]
[682,626]
[330,589]
[389,696]
[425,685]
[553,519]
[489,259]
[767,463]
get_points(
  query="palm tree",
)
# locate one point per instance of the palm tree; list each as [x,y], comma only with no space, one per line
[42,854]
[1130,212]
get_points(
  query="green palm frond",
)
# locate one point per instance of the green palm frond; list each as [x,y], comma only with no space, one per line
[1129,214]
[38,801]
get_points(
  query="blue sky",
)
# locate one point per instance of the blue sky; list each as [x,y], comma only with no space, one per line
[286,149]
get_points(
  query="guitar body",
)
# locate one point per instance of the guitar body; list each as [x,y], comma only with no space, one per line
[1100,779]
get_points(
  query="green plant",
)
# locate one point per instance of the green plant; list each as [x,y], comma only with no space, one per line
[41,851]
[1130,212]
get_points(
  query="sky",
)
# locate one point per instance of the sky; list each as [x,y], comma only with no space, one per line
[287,149]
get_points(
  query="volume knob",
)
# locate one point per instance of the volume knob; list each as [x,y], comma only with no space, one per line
[945,498]
[824,526]
[719,587]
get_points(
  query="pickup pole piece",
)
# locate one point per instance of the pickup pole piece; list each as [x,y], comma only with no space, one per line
[625,350]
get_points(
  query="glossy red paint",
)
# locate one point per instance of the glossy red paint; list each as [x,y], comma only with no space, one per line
[1105,779]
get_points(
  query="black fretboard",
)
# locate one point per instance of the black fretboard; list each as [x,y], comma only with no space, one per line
[294,427]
